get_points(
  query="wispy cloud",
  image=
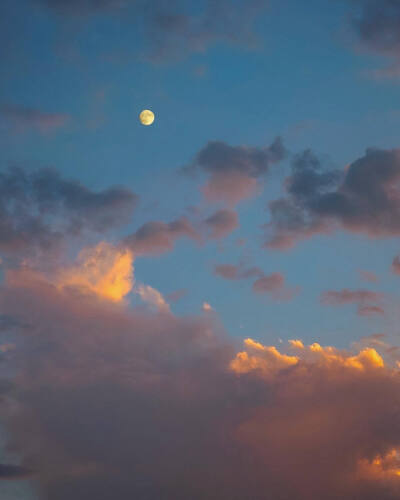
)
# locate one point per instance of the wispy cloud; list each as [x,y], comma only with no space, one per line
[21,119]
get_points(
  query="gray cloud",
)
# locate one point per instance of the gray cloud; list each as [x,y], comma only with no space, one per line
[232,272]
[378,25]
[13,472]
[233,170]
[156,237]
[39,209]
[364,199]
[222,223]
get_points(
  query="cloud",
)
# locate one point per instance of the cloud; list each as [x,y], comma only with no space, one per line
[153,297]
[369,276]
[172,30]
[40,209]
[157,237]
[222,223]
[370,310]
[364,198]
[206,307]
[234,170]
[21,119]
[112,401]
[176,295]
[346,296]
[269,283]
[103,270]
[232,272]
[396,265]
[362,298]
[13,472]
[274,286]
[378,26]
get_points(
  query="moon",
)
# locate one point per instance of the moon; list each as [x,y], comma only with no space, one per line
[146,117]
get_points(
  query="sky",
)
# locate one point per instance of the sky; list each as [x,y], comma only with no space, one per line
[206,307]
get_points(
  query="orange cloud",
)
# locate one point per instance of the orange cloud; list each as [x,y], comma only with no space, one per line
[267,360]
[104,270]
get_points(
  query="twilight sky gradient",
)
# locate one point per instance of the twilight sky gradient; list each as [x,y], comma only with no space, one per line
[208,307]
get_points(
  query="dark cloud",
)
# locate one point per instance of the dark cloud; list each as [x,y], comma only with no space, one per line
[13,472]
[39,209]
[114,403]
[233,170]
[170,29]
[364,198]
[157,237]
[222,223]
[20,119]
[378,25]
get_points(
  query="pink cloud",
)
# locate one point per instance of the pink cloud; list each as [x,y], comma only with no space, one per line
[111,401]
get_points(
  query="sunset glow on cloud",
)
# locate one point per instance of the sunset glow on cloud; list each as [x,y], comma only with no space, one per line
[206,308]
[103,270]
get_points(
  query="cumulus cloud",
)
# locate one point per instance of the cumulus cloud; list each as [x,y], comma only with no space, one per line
[103,270]
[171,30]
[362,298]
[234,171]
[40,209]
[20,119]
[364,198]
[156,237]
[121,402]
[153,297]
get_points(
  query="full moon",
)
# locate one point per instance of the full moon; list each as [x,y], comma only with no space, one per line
[146,117]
